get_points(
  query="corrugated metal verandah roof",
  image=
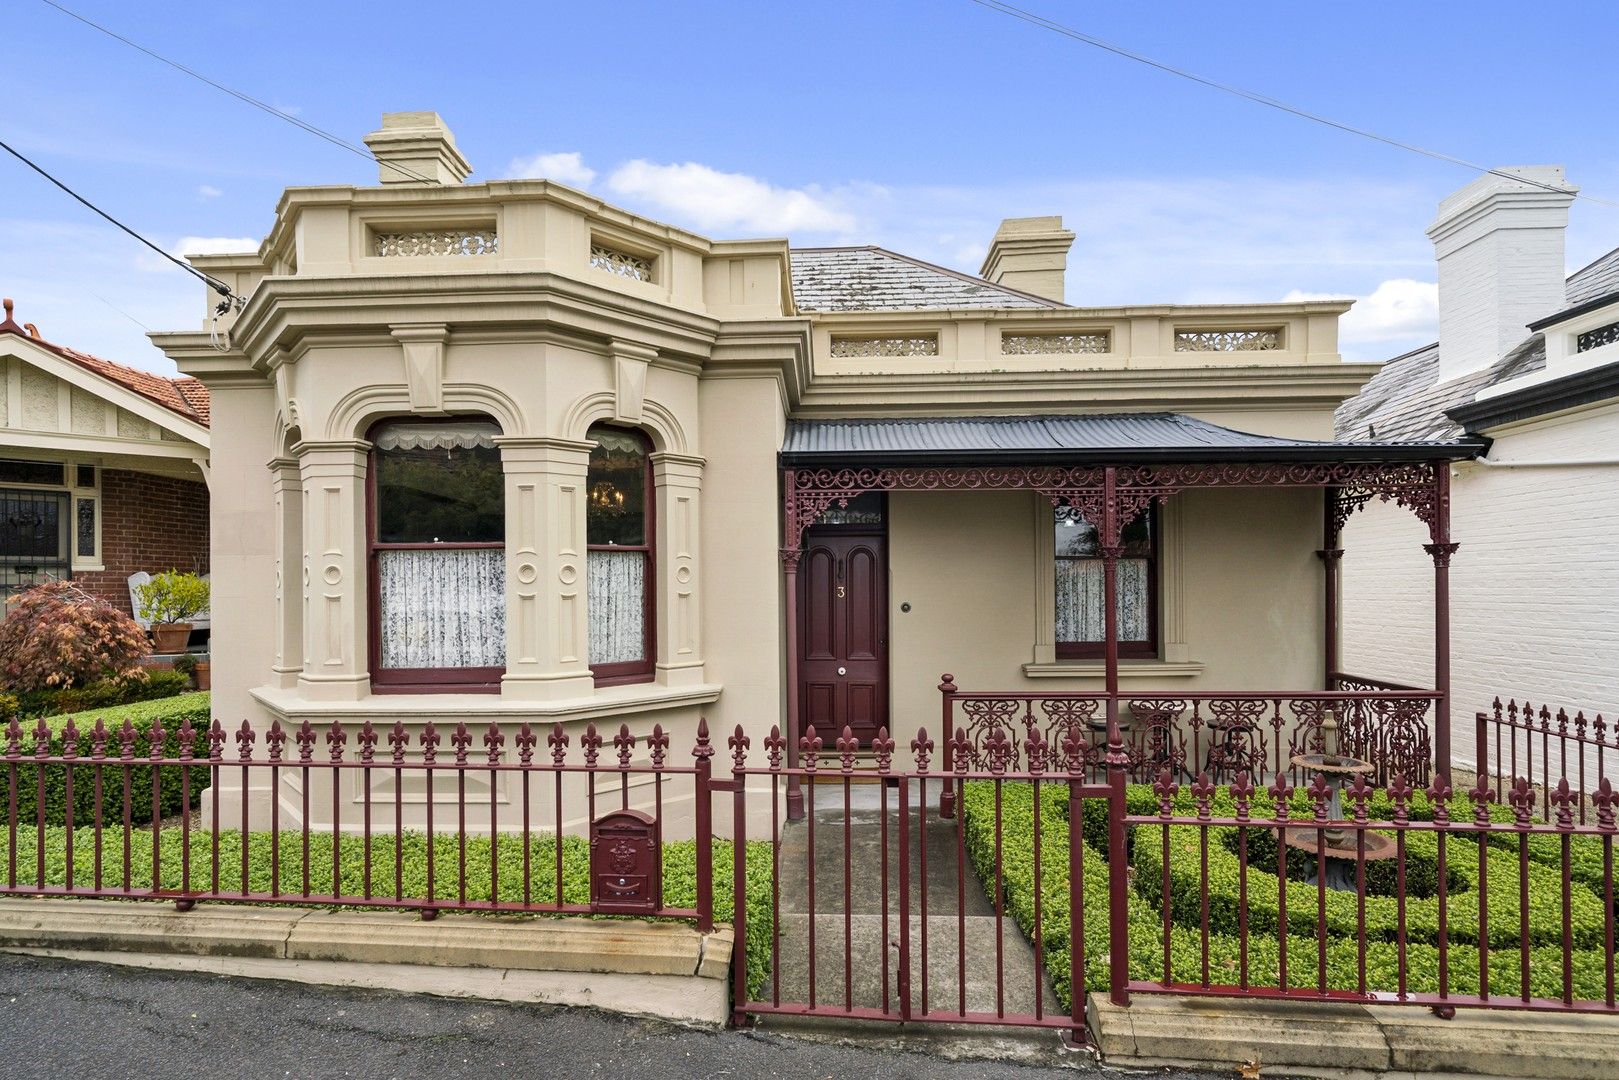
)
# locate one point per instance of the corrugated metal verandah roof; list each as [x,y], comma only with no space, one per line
[1100,438]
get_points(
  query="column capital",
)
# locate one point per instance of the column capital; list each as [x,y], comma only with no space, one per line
[1329,555]
[1441,552]
[537,452]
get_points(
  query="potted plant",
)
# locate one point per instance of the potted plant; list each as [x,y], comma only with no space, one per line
[194,667]
[168,600]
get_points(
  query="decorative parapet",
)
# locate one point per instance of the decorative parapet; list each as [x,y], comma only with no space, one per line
[1595,339]
[1056,344]
[1258,340]
[909,345]
[470,241]
[622,263]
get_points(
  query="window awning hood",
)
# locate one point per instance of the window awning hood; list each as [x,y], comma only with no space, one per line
[1098,438]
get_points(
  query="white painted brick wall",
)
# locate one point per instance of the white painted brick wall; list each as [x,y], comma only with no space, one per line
[1534,587]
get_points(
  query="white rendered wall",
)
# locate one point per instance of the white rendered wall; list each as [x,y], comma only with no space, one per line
[1534,587]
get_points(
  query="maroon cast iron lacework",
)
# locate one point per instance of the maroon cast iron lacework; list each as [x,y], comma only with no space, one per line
[1221,733]
[1413,485]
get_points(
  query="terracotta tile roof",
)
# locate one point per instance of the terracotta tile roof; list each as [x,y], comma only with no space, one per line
[185,396]
[876,279]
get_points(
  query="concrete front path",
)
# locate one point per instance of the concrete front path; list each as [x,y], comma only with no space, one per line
[853,937]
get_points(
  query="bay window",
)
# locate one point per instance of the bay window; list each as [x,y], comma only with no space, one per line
[1081,630]
[619,562]
[437,556]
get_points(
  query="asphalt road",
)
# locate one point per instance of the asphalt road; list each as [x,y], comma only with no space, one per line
[87,1021]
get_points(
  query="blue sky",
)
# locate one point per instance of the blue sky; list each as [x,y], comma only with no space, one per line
[913,125]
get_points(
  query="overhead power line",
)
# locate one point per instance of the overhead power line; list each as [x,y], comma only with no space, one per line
[1262,99]
[212,282]
[247,99]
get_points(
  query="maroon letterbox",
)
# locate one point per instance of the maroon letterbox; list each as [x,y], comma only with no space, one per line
[625,863]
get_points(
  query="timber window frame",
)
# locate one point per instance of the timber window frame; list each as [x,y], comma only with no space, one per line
[432,678]
[603,500]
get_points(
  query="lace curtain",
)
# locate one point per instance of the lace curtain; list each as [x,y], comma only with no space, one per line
[443,607]
[617,588]
[1079,600]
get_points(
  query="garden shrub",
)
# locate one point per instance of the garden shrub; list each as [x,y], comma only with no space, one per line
[408,868]
[57,635]
[143,686]
[172,711]
[1264,951]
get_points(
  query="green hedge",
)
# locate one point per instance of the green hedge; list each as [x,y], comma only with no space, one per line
[1146,927]
[172,711]
[679,869]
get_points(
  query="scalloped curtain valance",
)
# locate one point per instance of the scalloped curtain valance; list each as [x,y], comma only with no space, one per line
[462,435]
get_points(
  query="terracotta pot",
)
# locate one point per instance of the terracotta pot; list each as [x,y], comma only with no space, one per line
[201,674]
[170,637]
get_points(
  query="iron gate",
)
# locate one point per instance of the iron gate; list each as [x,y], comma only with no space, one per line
[875,912]
[33,538]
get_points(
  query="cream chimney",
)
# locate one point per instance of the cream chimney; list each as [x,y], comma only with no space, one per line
[1499,242]
[1031,255]
[417,148]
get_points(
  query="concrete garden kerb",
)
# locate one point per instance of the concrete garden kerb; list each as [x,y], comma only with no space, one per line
[664,969]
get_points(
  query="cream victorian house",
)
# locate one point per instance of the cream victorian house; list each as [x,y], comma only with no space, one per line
[505,451]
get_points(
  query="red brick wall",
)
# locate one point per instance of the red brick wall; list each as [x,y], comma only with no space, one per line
[149,523]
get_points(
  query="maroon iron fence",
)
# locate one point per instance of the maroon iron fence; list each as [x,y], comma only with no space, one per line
[130,797]
[1542,939]
[1224,734]
[1546,748]
[910,932]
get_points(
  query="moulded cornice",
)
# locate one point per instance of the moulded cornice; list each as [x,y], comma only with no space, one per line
[1186,313]
[1283,388]
[284,309]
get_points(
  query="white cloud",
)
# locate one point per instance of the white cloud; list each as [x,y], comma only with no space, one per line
[705,198]
[563,167]
[208,191]
[216,245]
[1400,310]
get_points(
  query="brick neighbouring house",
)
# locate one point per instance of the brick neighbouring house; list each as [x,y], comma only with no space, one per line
[103,468]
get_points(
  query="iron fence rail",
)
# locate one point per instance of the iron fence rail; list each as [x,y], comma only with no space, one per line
[1546,747]
[482,845]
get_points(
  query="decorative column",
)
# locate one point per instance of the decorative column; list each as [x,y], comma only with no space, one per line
[677,481]
[335,627]
[547,609]
[286,485]
[1441,550]
[1330,555]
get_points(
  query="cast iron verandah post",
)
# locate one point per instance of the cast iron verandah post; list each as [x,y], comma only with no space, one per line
[1331,555]
[1441,549]
[791,550]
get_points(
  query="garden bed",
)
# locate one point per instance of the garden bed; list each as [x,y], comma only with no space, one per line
[679,870]
[1261,964]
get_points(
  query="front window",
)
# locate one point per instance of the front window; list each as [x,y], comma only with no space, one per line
[1081,629]
[438,555]
[618,532]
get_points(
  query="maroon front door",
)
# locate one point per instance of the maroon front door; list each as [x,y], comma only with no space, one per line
[843,666]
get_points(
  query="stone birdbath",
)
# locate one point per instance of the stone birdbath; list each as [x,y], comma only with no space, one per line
[1339,844]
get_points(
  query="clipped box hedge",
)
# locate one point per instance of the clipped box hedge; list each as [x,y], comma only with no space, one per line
[172,711]
[1264,950]
[679,869]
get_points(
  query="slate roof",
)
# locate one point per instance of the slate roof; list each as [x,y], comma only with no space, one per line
[1405,401]
[1072,439]
[185,396]
[876,279]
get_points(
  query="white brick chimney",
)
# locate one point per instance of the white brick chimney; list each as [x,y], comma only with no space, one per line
[417,148]
[1029,254]
[1499,243]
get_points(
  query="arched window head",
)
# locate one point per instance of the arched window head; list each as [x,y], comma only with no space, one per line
[620,562]
[438,560]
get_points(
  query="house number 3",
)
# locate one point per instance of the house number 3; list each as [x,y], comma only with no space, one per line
[841,592]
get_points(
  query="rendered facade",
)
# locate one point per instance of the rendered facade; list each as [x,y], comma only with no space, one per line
[502,451]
